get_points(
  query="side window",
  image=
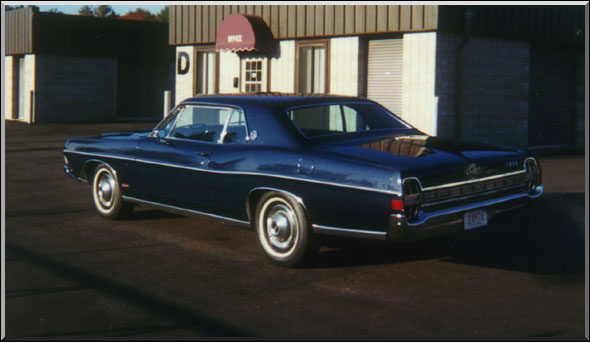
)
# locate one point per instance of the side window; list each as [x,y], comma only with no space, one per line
[236,131]
[327,119]
[201,123]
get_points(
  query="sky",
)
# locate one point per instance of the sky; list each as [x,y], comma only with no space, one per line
[120,9]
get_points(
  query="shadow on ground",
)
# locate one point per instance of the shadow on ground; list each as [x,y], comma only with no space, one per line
[547,238]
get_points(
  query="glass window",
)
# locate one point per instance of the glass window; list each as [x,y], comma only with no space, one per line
[312,68]
[322,120]
[206,67]
[253,71]
[201,123]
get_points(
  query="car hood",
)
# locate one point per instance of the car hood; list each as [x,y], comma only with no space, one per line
[432,160]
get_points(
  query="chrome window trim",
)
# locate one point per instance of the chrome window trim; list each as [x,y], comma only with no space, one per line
[388,192]
[184,210]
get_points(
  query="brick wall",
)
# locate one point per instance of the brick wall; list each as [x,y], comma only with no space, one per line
[495,90]
[580,100]
[75,89]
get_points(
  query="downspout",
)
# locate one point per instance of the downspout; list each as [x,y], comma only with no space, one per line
[459,72]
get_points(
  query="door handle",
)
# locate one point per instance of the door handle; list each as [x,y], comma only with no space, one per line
[202,154]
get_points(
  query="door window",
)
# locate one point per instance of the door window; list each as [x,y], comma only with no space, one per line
[254,75]
[201,123]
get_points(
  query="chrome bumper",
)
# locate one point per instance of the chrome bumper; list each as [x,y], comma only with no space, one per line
[450,220]
[69,172]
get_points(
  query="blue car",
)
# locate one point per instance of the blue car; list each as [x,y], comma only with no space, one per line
[295,168]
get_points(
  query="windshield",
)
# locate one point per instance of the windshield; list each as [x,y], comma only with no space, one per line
[331,119]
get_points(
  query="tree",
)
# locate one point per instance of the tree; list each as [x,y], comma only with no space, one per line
[104,11]
[54,10]
[139,14]
[164,14]
[12,8]
[86,10]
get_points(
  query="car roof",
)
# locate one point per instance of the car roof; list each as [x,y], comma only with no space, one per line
[273,99]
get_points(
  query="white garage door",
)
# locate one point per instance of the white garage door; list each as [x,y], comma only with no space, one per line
[384,79]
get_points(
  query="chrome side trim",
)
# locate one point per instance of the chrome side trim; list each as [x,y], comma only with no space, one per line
[389,192]
[355,233]
[472,181]
[423,217]
[185,211]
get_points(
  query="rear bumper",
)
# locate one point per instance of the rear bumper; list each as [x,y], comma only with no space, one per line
[450,220]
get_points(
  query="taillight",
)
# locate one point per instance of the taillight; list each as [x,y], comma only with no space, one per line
[411,195]
[397,205]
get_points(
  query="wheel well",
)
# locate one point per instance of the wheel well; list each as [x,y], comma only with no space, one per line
[89,168]
[255,195]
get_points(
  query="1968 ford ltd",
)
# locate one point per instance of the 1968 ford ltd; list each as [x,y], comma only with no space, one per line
[296,167]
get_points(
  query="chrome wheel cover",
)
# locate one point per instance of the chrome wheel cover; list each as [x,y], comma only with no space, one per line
[278,228]
[104,189]
[281,226]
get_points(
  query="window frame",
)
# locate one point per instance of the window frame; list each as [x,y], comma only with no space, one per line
[265,68]
[219,141]
[325,43]
[287,110]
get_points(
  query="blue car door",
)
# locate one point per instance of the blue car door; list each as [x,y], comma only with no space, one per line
[173,163]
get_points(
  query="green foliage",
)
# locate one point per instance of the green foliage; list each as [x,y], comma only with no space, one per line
[86,10]
[105,11]
[164,14]
[100,11]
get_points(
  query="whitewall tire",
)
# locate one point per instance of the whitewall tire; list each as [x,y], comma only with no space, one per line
[283,231]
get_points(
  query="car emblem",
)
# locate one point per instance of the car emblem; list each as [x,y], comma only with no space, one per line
[511,163]
[253,135]
[472,170]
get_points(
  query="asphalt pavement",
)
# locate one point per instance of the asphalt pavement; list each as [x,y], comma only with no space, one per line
[70,273]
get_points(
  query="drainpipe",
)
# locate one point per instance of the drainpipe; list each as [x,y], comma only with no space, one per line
[459,72]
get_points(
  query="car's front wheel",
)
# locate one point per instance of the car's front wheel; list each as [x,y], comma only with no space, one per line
[107,193]
[283,230]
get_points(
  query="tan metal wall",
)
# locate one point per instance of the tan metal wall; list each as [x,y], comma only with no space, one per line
[19,31]
[197,24]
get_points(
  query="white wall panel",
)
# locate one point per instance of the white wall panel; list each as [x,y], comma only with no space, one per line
[419,104]
[185,82]
[282,69]
[229,67]
[344,69]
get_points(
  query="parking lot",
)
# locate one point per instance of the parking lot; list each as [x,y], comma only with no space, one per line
[72,273]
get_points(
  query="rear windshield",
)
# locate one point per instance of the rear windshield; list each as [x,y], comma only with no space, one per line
[331,119]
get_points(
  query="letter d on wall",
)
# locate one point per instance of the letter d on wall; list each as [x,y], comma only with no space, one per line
[183,63]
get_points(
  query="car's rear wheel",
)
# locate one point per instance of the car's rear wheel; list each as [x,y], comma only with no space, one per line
[107,193]
[283,230]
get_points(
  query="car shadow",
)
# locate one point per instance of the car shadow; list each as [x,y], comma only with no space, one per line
[149,214]
[546,238]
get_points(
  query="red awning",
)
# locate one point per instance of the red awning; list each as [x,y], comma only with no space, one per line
[242,32]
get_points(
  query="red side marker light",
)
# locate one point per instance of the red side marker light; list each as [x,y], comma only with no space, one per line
[397,204]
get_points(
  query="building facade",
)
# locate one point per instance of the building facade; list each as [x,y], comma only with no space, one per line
[77,68]
[502,74]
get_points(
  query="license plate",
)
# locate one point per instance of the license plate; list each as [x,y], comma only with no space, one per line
[475,219]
